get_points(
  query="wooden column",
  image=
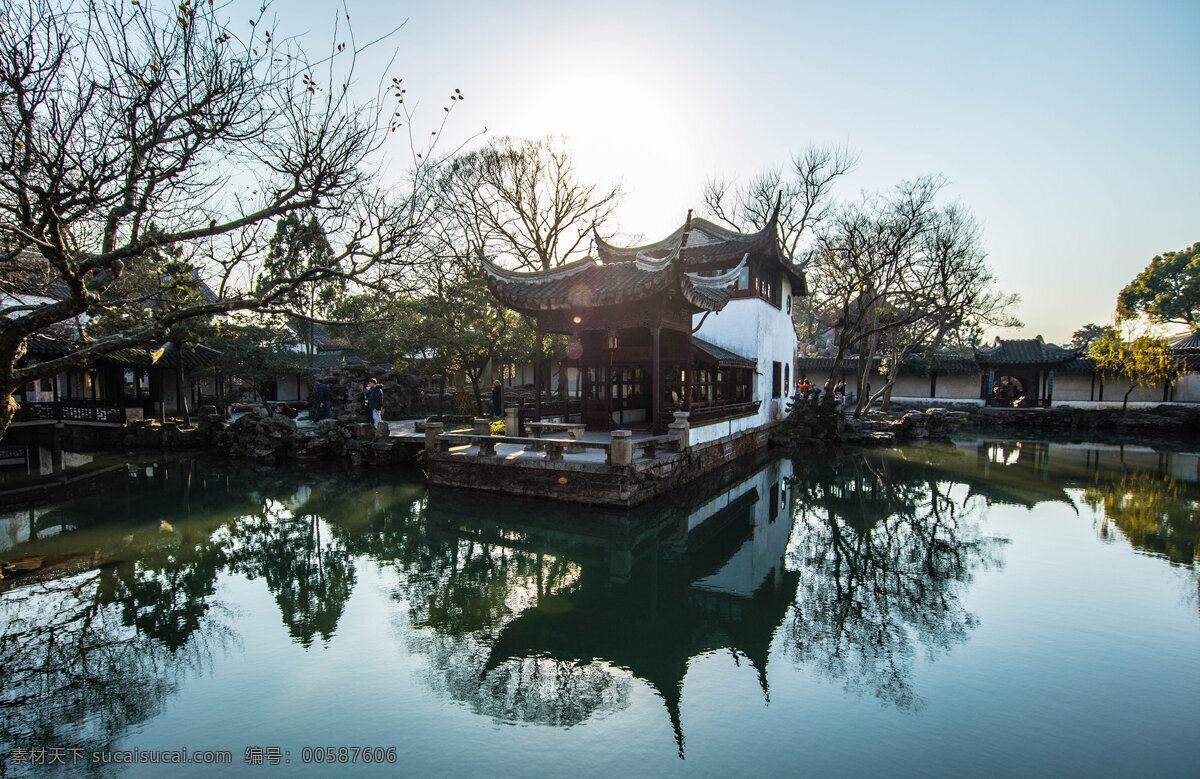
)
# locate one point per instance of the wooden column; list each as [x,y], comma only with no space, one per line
[537,375]
[656,403]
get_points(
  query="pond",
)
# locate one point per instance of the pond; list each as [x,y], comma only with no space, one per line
[968,608]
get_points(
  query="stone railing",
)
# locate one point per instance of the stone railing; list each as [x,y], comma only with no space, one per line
[621,450]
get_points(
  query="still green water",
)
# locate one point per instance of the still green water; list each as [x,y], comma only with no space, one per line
[979,608]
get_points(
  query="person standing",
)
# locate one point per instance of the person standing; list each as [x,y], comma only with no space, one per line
[374,401]
[497,399]
[324,402]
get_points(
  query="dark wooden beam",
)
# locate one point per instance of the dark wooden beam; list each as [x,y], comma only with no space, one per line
[537,375]
[656,404]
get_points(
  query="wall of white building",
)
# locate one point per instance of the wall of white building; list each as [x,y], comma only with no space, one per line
[753,328]
[703,434]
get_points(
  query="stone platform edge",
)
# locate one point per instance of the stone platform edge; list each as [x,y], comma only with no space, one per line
[592,483]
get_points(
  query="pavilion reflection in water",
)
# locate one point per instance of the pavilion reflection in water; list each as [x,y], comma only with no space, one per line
[655,589]
[805,555]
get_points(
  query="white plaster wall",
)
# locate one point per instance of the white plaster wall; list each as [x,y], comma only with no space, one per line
[703,434]
[168,390]
[914,386]
[34,393]
[288,388]
[753,328]
[1072,386]
[959,386]
[1187,388]
[1114,391]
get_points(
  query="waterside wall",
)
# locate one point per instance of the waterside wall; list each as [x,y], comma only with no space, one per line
[596,483]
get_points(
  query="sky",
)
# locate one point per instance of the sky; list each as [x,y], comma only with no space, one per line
[1070,130]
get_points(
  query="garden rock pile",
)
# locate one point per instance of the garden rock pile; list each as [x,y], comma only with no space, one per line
[880,428]
[402,393]
[270,439]
[149,433]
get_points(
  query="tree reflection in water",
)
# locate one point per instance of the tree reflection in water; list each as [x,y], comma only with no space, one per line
[459,593]
[85,656]
[1156,513]
[523,614]
[884,554]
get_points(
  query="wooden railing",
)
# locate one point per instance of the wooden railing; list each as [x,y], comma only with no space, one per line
[712,411]
[550,408]
[71,411]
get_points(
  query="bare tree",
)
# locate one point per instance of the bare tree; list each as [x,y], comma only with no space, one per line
[522,201]
[805,197]
[117,118]
[902,274]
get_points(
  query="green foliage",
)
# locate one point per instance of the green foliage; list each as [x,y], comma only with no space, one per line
[1168,290]
[377,329]
[298,247]
[1084,336]
[1145,361]
[257,354]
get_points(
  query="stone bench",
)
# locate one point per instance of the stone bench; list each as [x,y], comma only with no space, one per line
[553,447]
[573,429]
[649,446]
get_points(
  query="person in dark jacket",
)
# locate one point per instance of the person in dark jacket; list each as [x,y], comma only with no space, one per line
[324,402]
[497,399]
[374,401]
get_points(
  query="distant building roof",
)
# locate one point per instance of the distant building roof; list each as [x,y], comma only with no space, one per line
[44,346]
[1190,340]
[941,363]
[28,275]
[1026,351]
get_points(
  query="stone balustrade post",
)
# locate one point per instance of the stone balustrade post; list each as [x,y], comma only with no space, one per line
[512,421]
[680,429]
[622,447]
[483,426]
[432,431]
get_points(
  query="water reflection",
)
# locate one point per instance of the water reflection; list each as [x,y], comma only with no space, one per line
[1155,513]
[885,554]
[645,593]
[851,568]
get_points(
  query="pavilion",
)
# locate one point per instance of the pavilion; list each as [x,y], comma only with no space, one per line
[699,321]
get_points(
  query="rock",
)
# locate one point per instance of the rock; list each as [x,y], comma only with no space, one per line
[403,394]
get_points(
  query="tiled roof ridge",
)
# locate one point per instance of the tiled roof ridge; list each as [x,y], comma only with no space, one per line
[562,271]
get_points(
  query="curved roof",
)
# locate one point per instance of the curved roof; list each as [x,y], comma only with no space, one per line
[1025,351]
[579,284]
[721,356]
[678,264]
[710,243]
[587,283]
[1189,340]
